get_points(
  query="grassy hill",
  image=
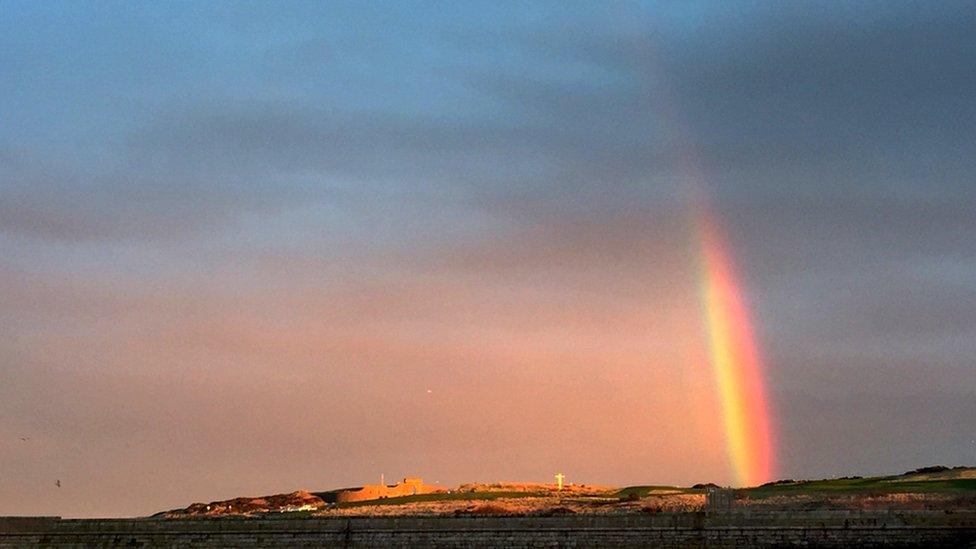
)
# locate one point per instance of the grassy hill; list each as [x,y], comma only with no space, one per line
[444,496]
[924,481]
[921,481]
[929,487]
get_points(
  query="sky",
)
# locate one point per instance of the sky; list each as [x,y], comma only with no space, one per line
[248,248]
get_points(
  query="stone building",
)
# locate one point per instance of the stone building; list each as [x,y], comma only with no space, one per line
[409,486]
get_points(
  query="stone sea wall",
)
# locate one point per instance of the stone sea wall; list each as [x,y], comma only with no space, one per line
[813,529]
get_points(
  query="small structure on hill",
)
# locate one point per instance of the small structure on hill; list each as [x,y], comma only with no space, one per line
[719,499]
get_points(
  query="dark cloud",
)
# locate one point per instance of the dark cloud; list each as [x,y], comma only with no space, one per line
[862,104]
[924,426]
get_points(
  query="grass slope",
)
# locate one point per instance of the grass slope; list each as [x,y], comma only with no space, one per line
[950,481]
[444,496]
[873,485]
[644,491]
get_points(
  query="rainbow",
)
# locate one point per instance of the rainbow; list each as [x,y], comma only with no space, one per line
[734,356]
[735,359]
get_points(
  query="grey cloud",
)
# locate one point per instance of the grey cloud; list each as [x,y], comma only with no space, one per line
[282,137]
[796,92]
[893,432]
[813,100]
[128,200]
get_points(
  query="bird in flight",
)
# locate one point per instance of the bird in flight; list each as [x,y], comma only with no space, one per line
[24,439]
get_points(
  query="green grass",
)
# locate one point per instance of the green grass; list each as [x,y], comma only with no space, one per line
[444,496]
[644,491]
[879,485]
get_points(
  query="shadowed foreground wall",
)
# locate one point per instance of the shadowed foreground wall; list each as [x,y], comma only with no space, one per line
[831,529]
